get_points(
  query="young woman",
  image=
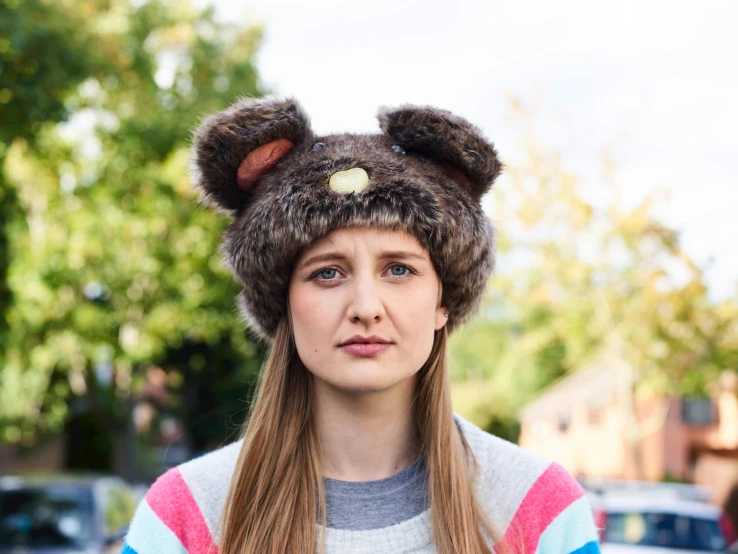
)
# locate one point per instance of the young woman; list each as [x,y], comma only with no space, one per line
[357,256]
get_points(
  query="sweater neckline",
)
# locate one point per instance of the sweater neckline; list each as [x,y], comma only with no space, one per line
[405,478]
[412,534]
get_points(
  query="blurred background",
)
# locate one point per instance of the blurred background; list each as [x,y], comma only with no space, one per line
[608,339]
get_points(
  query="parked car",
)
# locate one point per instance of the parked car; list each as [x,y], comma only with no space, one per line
[622,487]
[64,514]
[656,525]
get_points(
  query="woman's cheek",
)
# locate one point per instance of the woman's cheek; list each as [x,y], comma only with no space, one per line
[302,309]
[315,316]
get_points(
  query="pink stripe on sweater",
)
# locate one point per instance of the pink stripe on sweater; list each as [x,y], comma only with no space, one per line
[172,501]
[550,495]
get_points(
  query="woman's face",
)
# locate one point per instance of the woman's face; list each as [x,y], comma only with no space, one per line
[364,305]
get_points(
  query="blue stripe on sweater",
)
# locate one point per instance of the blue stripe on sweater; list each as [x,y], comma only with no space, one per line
[571,531]
[149,535]
[589,548]
[128,550]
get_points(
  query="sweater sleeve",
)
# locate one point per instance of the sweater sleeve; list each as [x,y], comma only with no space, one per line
[169,521]
[572,532]
[571,528]
[148,534]
[552,517]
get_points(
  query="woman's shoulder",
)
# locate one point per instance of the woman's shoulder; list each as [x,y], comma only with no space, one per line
[528,497]
[498,457]
[181,510]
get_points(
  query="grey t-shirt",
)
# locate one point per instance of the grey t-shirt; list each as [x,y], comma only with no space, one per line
[364,505]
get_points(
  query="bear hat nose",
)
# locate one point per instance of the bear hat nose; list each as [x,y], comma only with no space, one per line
[351,180]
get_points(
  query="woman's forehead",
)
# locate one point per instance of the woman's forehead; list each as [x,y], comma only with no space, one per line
[372,239]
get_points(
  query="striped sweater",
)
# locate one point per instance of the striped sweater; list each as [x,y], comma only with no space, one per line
[535,504]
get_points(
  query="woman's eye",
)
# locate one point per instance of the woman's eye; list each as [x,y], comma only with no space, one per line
[327,274]
[399,270]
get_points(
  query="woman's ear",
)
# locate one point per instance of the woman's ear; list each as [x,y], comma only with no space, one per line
[233,149]
[441,317]
[457,145]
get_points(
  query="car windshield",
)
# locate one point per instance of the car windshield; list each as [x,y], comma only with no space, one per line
[665,531]
[48,517]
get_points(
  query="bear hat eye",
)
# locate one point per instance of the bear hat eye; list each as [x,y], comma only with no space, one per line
[398,149]
[318,146]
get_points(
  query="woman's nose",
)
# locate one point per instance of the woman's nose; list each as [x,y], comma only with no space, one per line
[366,304]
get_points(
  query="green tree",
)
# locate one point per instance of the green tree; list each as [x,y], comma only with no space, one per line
[45,52]
[572,277]
[116,266]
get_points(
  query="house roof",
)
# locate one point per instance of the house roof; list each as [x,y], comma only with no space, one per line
[595,383]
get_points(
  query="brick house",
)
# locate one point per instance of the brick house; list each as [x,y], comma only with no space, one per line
[593,424]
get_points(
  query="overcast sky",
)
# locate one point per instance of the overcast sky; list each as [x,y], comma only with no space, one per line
[659,77]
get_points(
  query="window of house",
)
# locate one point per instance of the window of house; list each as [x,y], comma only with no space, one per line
[564,422]
[698,411]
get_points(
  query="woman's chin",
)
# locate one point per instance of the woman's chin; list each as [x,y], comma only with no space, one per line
[363,382]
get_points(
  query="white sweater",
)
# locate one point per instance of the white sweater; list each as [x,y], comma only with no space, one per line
[536,505]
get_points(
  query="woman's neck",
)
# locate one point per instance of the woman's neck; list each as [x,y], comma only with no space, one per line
[365,437]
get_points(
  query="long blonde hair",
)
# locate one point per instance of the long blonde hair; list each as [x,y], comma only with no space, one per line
[276,495]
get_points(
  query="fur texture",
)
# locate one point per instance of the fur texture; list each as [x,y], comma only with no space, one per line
[292,206]
[447,138]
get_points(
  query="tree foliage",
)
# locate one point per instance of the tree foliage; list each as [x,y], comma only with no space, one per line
[574,274]
[45,51]
[114,264]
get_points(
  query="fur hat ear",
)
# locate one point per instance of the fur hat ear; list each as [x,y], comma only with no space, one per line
[233,149]
[457,145]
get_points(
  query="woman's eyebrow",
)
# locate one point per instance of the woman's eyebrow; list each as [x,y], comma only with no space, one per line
[402,254]
[332,256]
[323,258]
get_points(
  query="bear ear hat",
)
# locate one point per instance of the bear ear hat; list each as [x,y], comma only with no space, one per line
[457,145]
[234,148]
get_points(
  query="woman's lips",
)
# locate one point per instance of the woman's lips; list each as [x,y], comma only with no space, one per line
[365,348]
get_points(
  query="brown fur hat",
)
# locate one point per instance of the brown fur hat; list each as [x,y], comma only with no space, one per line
[286,188]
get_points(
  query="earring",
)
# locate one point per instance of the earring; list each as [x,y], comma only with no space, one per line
[446,314]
